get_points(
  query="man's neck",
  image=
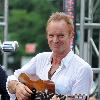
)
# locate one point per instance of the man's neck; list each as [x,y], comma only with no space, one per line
[56,58]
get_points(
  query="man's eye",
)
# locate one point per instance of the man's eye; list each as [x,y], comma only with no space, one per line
[50,36]
[61,36]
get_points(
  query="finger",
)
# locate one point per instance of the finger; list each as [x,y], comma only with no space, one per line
[28,90]
[21,92]
[22,97]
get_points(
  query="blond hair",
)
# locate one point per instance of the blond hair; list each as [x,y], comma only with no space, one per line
[57,16]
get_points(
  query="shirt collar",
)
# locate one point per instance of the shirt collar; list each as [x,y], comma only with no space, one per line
[50,57]
[66,60]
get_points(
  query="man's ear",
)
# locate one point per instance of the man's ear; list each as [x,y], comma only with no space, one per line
[71,35]
[71,42]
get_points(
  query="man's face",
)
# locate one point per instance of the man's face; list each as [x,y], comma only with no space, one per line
[58,37]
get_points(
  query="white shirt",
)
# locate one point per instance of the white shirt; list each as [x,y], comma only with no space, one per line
[74,75]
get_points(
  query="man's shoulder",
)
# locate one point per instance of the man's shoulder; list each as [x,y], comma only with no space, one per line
[81,66]
[80,60]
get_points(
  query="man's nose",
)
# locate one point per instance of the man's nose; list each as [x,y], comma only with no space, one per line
[55,39]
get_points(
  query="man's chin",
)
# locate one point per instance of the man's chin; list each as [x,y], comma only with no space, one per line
[57,51]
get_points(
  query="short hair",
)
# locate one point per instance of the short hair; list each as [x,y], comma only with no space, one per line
[57,16]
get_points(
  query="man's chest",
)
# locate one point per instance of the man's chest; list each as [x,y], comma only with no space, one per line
[63,79]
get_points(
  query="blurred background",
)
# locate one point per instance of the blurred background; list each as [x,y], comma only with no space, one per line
[25,21]
[26,24]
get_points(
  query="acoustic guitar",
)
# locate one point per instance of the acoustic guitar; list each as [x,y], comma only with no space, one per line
[44,89]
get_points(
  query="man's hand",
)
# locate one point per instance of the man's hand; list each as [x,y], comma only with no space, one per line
[22,92]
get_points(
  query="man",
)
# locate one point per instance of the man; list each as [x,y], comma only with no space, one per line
[71,74]
[3,79]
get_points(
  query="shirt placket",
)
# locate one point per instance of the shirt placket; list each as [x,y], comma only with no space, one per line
[55,75]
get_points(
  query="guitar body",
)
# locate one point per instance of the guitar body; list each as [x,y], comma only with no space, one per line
[33,82]
[45,89]
[42,89]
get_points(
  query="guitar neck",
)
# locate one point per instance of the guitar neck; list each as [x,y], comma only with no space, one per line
[52,96]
